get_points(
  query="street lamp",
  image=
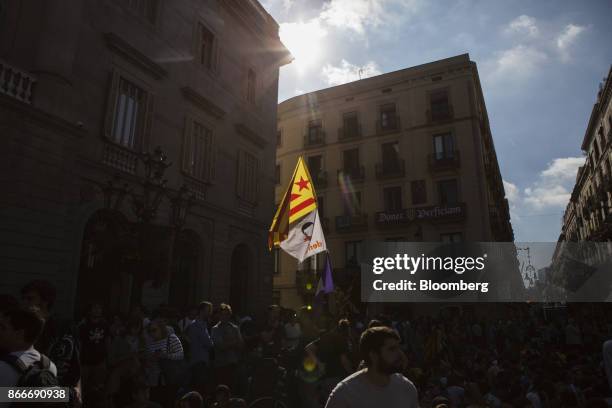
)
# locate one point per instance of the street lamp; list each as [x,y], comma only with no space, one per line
[145,206]
[180,205]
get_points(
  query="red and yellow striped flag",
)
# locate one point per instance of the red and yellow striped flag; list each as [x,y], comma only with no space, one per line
[299,200]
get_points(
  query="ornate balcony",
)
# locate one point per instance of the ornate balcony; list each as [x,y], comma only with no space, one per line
[314,138]
[394,169]
[16,83]
[391,125]
[444,161]
[440,115]
[348,133]
[120,158]
[355,174]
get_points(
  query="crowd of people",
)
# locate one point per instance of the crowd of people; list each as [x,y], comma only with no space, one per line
[208,356]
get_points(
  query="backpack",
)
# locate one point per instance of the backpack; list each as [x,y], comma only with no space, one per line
[36,375]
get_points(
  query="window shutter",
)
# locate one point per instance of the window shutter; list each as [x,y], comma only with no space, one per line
[213,158]
[111,105]
[144,137]
[255,180]
[187,145]
[216,56]
[239,178]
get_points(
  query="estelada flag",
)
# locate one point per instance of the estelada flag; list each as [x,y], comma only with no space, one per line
[298,201]
[305,237]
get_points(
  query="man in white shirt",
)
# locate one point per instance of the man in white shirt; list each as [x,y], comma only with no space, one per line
[379,384]
[19,329]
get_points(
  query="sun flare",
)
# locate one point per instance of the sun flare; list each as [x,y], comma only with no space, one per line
[304,41]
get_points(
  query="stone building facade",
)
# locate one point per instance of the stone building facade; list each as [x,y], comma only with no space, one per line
[588,215]
[87,87]
[404,156]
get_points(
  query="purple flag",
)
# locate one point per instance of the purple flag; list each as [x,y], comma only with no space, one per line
[326,281]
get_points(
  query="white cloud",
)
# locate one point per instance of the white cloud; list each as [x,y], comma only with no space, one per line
[512,192]
[299,91]
[356,15]
[287,4]
[515,64]
[524,25]
[554,184]
[348,72]
[567,38]
[564,169]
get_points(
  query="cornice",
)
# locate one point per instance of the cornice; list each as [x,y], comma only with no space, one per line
[251,136]
[200,101]
[123,48]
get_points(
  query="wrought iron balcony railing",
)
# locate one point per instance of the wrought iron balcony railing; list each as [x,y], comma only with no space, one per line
[349,133]
[389,125]
[314,138]
[16,83]
[351,222]
[390,169]
[355,174]
[444,160]
[441,114]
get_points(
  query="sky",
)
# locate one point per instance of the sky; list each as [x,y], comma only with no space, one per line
[540,64]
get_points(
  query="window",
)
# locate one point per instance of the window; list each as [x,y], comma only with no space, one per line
[451,237]
[251,86]
[314,131]
[596,148]
[390,156]
[419,192]
[393,199]
[444,146]
[351,159]
[198,157]
[440,108]
[277,261]
[351,124]
[207,47]
[388,118]
[321,207]
[279,138]
[248,175]
[277,174]
[351,252]
[315,166]
[352,203]
[448,192]
[129,115]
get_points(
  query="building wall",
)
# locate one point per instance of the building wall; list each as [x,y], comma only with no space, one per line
[588,214]
[479,181]
[58,146]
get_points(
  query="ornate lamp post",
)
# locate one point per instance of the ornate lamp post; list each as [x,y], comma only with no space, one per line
[180,204]
[154,186]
